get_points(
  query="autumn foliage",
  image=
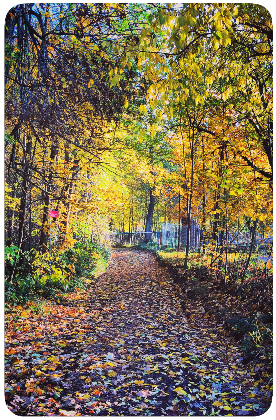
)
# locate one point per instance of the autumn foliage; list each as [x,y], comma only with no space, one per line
[122,117]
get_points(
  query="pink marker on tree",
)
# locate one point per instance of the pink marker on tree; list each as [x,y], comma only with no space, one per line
[53,213]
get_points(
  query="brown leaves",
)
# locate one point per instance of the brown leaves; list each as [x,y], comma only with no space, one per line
[98,359]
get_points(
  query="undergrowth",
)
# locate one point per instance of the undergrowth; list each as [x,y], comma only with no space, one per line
[244,308]
[44,275]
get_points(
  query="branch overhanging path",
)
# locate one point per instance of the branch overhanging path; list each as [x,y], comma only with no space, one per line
[125,347]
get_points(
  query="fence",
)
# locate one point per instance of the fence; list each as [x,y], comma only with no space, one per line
[134,238]
[168,237]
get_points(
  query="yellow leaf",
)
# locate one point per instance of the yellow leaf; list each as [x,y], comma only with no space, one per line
[216,44]
[180,391]
[235,11]
[171,373]
[90,83]
[24,314]
[226,407]
[242,83]
[115,80]
[218,403]
[138,382]
[260,48]
[191,20]
[111,373]
[143,109]
[39,373]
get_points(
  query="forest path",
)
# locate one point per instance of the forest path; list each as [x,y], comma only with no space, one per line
[126,348]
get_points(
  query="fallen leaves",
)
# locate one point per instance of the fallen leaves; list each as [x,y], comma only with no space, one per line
[91,357]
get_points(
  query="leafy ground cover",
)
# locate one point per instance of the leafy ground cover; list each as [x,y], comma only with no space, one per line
[125,347]
[246,313]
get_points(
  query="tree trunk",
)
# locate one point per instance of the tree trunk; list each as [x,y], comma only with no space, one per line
[179,220]
[44,233]
[204,223]
[150,216]
[216,221]
[70,188]
[24,187]
[252,245]
[189,200]
[10,220]
[188,237]
[23,202]
[44,229]
[226,249]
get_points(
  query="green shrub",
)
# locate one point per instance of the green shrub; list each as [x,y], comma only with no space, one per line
[239,326]
[255,334]
[11,255]
[84,259]
[48,274]
[19,289]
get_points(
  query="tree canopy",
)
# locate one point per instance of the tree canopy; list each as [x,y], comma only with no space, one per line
[113,109]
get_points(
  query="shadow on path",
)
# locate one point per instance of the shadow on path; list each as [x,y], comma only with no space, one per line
[125,348]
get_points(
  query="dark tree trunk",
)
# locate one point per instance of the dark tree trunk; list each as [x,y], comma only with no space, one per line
[68,193]
[27,147]
[150,216]
[216,220]
[179,220]
[189,201]
[44,233]
[204,224]
[24,188]
[252,246]
[44,230]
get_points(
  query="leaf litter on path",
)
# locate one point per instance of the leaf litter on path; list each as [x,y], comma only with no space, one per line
[125,347]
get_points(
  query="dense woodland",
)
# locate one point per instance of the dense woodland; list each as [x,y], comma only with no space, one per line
[118,119]
[123,116]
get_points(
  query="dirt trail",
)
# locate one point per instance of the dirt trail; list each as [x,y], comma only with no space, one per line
[126,348]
